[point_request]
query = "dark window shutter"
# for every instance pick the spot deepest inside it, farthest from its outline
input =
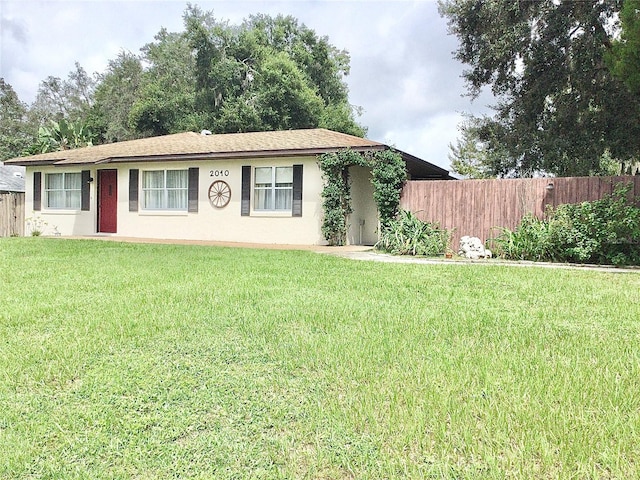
(193, 189)
(85, 198)
(245, 204)
(37, 190)
(133, 189)
(296, 210)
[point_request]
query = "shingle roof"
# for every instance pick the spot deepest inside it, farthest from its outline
(194, 146)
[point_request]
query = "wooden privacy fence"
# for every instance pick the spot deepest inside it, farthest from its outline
(11, 214)
(474, 207)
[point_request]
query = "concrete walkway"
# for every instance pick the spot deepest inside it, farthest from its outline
(373, 255)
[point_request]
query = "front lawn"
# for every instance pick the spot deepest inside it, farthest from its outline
(163, 361)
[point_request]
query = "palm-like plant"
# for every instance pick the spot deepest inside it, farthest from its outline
(61, 135)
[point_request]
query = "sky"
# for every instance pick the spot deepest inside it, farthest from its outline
(403, 74)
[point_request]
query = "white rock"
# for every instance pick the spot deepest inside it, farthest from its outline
(472, 248)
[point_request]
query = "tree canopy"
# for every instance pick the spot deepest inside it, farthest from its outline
(14, 137)
(624, 56)
(560, 109)
(268, 73)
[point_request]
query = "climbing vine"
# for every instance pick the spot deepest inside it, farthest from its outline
(389, 174)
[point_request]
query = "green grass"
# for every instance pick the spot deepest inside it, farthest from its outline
(162, 361)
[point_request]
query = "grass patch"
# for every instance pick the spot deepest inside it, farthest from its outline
(164, 361)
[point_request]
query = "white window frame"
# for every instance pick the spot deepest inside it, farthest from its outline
(165, 191)
(268, 191)
(71, 197)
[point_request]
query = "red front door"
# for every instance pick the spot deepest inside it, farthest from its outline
(107, 201)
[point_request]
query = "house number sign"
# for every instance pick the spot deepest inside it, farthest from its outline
(218, 173)
(219, 194)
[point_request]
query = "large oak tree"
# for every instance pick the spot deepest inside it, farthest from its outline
(559, 110)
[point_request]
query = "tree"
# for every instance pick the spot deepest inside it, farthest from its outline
(624, 57)
(69, 99)
(166, 100)
(268, 73)
(322, 63)
(284, 98)
(475, 155)
(559, 107)
(14, 131)
(117, 90)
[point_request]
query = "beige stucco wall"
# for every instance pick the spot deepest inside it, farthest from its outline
(226, 224)
(217, 224)
(209, 223)
(58, 222)
(363, 221)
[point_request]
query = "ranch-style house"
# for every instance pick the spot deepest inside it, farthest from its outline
(259, 187)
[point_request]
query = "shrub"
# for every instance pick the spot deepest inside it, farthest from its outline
(605, 231)
(408, 235)
(529, 241)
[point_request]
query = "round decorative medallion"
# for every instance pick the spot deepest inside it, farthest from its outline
(219, 194)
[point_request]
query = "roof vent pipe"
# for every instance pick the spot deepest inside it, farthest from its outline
(205, 132)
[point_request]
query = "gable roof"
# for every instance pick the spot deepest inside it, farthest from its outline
(194, 146)
(11, 178)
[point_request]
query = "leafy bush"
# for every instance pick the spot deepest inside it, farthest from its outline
(605, 231)
(408, 235)
(529, 241)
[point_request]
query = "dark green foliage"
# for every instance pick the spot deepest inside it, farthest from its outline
(605, 231)
(270, 73)
(14, 131)
(285, 98)
(165, 99)
(559, 108)
(624, 58)
(336, 194)
(388, 176)
(408, 235)
(529, 241)
(118, 89)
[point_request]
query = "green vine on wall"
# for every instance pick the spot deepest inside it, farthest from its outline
(388, 172)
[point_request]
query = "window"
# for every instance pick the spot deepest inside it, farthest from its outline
(273, 188)
(63, 190)
(165, 189)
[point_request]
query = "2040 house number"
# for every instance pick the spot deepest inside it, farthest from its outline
(218, 173)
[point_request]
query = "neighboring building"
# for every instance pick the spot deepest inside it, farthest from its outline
(262, 187)
(11, 179)
(11, 200)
